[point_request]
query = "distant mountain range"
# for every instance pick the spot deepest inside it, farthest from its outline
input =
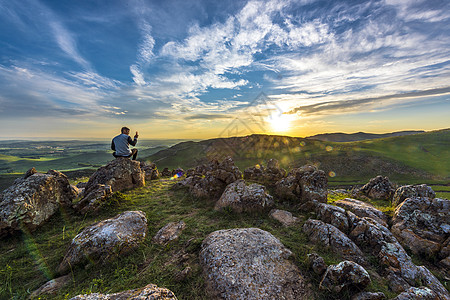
(359, 136)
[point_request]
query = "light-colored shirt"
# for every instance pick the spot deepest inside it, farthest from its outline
(120, 144)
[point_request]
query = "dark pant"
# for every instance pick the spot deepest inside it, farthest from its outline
(134, 153)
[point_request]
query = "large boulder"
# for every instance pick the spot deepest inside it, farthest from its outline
(268, 176)
(303, 184)
(33, 199)
(249, 264)
(210, 180)
(106, 239)
(241, 197)
(363, 209)
(330, 237)
(412, 191)
(118, 175)
(423, 225)
(345, 275)
(378, 188)
(149, 292)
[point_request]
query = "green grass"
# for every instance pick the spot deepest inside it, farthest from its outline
(31, 259)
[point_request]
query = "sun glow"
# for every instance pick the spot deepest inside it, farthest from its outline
(280, 122)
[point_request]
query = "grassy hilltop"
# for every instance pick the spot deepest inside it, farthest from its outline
(411, 157)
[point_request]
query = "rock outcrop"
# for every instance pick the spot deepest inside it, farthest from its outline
(412, 191)
(368, 296)
(210, 180)
(169, 233)
(118, 175)
(166, 172)
(378, 188)
(420, 293)
(303, 184)
(332, 238)
(149, 292)
(32, 200)
(151, 171)
(245, 198)
(249, 264)
(345, 275)
(106, 239)
(423, 225)
(363, 209)
(268, 176)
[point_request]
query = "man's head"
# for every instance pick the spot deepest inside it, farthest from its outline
(125, 130)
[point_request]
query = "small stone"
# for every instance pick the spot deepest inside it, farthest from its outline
(169, 233)
(284, 217)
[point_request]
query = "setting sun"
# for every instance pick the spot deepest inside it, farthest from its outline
(280, 122)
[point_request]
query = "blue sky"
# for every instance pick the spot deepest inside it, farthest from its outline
(188, 69)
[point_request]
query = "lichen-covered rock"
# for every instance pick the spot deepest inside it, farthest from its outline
(334, 215)
(149, 292)
(423, 225)
(345, 275)
(151, 171)
(169, 233)
(363, 209)
(249, 264)
(316, 263)
(420, 293)
(210, 180)
(52, 287)
(120, 174)
(401, 272)
(303, 184)
(378, 188)
(332, 238)
(284, 217)
(268, 176)
(368, 296)
(93, 200)
(412, 191)
(32, 200)
(240, 197)
(106, 239)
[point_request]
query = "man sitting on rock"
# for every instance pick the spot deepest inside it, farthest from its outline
(120, 144)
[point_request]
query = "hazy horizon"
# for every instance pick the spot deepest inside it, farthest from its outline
(200, 69)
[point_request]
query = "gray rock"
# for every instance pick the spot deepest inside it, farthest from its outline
(52, 287)
(419, 293)
(303, 184)
(106, 239)
(120, 174)
(334, 215)
(149, 292)
(169, 233)
(240, 197)
(31, 201)
(316, 263)
(412, 191)
(151, 171)
(368, 296)
(422, 225)
(346, 274)
(363, 209)
(210, 180)
(378, 188)
(268, 176)
(332, 238)
(284, 217)
(249, 264)
(93, 200)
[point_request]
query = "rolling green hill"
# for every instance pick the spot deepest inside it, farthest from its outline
(423, 155)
